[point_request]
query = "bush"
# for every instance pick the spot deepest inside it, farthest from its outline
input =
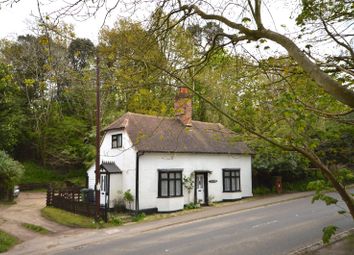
(261, 190)
(37, 174)
(115, 220)
(10, 173)
(191, 206)
(128, 198)
(295, 186)
(139, 217)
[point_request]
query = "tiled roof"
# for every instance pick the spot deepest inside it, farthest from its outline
(163, 134)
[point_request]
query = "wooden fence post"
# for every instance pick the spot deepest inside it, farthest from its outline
(49, 196)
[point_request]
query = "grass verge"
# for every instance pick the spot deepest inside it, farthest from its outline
(7, 241)
(68, 218)
(36, 228)
(35, 173)
(78, 221)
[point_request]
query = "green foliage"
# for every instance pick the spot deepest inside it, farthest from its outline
(80, 52)
(10, 174)
(321, 187)
(261, 190)
(128, 198)
(276, 161)
(64, 145)
(328, 232)
(296, 186)
(336, 147)
(345, 176)
(7, 241)
(68, 218)
(130, 56)
(34, 173)
(145, 102)
(188, 182)
(139, 217)
(36, 228)
(191, 206)
(11, 116)
(115, 220)
(312, 10)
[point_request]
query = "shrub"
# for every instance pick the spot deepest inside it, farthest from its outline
(261, 190)
(10, 174)
(115, 220)
(128, 197)
(191, 206)
(139, 217)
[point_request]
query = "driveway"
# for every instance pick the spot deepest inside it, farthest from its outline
(26, 210)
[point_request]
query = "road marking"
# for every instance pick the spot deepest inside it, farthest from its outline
(265, 224)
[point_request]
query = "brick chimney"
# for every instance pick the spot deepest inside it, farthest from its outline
(183, 106)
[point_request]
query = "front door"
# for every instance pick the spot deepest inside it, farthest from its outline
(104, 189)
(200, 189)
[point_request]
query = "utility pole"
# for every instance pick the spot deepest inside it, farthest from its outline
(98, 176)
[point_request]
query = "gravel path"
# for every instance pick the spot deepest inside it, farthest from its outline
(26, 210)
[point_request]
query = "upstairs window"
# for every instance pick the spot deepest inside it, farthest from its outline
(231, 180)
(117, 141)
(170, 183)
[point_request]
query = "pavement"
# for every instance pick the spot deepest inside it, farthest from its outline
(343, 246)
(77, 238)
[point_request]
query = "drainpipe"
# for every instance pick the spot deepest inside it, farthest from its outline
(138, 154)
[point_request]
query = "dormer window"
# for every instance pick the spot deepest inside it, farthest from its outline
(117, 141)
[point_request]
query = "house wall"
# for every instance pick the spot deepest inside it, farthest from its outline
(151, 162)
(115, 189)
(124, 158)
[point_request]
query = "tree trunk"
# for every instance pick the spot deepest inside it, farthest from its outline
(331, 86)
(347, 198)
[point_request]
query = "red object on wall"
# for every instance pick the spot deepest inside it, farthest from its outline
(278, 184)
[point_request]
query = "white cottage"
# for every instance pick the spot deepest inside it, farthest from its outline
(151, 155)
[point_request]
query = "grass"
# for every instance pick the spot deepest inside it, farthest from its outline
(7, 241)
(36, 228)
(68, 218)
(35, 173)
(78, 221)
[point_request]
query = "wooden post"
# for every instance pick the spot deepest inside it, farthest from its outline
(97, 186)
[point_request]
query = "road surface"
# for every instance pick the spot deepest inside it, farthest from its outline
(275, 229)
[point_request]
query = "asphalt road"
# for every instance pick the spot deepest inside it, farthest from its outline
(275, 229)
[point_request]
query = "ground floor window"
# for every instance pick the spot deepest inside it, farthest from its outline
(170, 183)
(231, 180)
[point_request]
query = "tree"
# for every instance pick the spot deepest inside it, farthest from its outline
(248, 26)
(11, 115)
(131, 80)
(289, 108)
(80, 52)
(10, 174)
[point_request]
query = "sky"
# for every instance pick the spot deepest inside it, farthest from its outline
(17, 20)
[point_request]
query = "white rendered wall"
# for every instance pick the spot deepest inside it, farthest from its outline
(91, 177)
(151, 162)
(124, 158)
(115, 189)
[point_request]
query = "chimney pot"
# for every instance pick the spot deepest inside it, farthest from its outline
(183, 106)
